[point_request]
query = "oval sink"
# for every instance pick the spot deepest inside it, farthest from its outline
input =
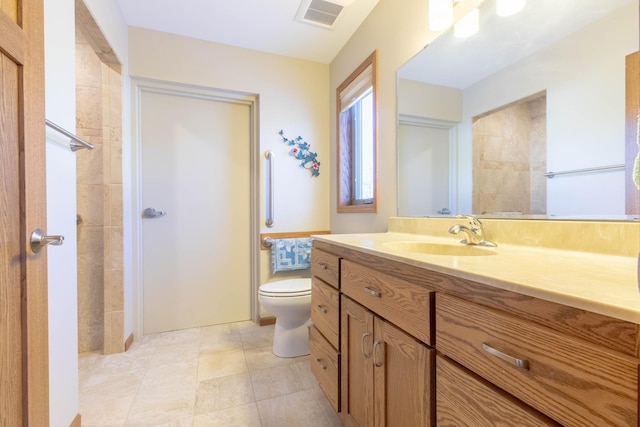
(447, 249)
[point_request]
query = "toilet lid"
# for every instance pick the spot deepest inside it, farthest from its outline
(287, 288)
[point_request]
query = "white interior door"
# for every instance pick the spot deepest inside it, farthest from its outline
(195, 168)
(424, 155)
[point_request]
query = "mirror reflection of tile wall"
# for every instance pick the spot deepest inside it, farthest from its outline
(509, 158)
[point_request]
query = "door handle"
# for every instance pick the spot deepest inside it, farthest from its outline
(152, 213)
(39, 240)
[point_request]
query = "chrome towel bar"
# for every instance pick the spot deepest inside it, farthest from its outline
(76, 142)
(585, 170)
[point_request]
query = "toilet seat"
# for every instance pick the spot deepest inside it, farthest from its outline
(286, 288)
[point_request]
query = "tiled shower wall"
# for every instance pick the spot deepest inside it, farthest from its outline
(99, 196)
(509, 159)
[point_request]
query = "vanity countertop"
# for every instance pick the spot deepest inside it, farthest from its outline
(604, 284)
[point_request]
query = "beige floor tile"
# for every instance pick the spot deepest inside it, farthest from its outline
(238, 416)
(220, 337)
(216, 364)
(171, 382)
(160, 412)
(111, 412)
(209, 376)
(223, 393)
(277, 381)
(292, 410)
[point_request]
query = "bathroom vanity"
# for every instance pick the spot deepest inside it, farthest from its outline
(412, 328)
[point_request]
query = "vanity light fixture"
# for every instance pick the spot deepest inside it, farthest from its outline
(509, 7)
(440, 14)
(468, 25)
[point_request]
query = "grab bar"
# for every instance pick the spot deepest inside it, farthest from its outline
(585, 170)
(76, 142)
(270, 156)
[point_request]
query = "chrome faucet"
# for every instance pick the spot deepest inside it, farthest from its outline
(474, 231)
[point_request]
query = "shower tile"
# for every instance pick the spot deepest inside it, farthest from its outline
(89, 166)
(223, 393)
(116, 247)
(115, 205)
(116, 164)
(114, 287)
(238, 416)
(89, 115)
(106, 201)
(106, 248)
(106, 162)
(90, 203)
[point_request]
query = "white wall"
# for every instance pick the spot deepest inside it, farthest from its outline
(584, 77)
(292, 97)
(60, 90)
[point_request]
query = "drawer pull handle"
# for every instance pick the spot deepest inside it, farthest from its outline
(323, 309)
(322, 365)
(323, 266)
(520, 363)
(373, 293)
(364, 337)
(375, 359)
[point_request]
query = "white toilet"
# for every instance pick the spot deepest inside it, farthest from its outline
(290, 302)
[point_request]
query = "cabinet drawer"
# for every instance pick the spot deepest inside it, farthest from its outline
(325, 310)
(326, 266)
(405, 304)
(572, 381)
(325, 366)
(463, 399)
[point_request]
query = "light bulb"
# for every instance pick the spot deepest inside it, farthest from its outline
(468, 25)
(509, 7)
(440, 14)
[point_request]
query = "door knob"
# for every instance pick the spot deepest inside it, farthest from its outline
(39, 240)
(152, 213)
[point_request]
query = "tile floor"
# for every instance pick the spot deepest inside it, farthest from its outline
(221, 375)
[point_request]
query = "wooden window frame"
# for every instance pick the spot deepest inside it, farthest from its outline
(344, 147)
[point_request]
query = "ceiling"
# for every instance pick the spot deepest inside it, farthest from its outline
(263, 25)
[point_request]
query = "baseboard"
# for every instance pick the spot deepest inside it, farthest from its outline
(128, 342)
(264, 321)
(76, 422)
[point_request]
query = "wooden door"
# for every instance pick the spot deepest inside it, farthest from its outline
(632, 90)
(24, 376)
(404, 378)
(357, 368)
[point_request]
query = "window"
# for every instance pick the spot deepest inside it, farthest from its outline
(357, 139)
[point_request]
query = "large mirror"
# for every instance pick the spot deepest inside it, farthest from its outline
(524, 118)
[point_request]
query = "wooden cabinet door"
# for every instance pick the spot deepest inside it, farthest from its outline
(357, 369)
(404, 380)
(24, 376)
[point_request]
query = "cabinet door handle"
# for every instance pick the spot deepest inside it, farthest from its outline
(364, 337)
(323, 309)
(373, 293)
(323, 266)
(520, 363)
(375, 359)
(322, 365)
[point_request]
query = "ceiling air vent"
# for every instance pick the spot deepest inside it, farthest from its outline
(319, 12)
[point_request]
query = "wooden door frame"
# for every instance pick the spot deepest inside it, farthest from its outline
(25, 45)
(141, 85)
